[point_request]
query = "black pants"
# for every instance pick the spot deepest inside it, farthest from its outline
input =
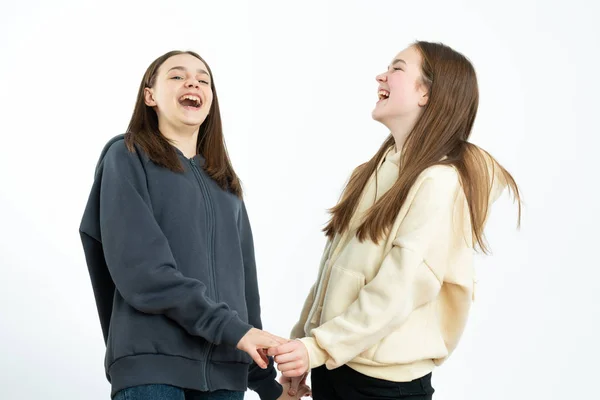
(344, 383)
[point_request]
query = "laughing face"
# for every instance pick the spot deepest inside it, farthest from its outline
(401, 91)
(181, 94)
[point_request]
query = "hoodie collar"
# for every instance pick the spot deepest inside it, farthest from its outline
(198, 157)
(393, 156)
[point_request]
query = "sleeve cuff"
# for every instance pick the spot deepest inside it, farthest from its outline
(234, 331)
(270, 390)
(316, 355)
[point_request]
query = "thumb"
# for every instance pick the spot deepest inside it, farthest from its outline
(263, 355)
(257, 358)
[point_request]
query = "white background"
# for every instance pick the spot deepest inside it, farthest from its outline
(296, 86)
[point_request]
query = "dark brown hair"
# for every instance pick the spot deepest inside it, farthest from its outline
(143, 131)
(443, 129)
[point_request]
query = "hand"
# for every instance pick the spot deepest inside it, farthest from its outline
(296, 385)
(302, 391)
(291, 358)
(253, 343)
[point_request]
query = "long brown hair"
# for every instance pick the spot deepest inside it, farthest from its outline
(443, 129)
(143, 131)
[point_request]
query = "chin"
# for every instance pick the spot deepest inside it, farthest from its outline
(194, 121)
(377, 116)
(381, 119)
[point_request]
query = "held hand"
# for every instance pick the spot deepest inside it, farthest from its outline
(296, 385)
(301, 392)
(291, 358)
(253, 343)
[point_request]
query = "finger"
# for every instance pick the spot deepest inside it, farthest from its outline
(294, 372)
(284, 348)
(284, 380)
(288, 357)
(303, 390)
(263, 355)
(280, 339)
(257, 359)
(290, 366)
(276, 338)
(295, 382)
(303, 381)
(267, 342)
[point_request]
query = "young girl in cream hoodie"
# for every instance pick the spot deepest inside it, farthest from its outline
(396, 280)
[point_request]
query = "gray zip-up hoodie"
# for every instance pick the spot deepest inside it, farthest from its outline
(171, 260)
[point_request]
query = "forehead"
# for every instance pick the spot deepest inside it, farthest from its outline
(186, 61)
(410, 55)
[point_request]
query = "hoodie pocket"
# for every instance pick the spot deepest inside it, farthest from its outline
(342, 290)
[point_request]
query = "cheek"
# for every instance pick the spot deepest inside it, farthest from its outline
(164, 97)
(398, 99)
(397, 88)
(403, 93)
(209, 97)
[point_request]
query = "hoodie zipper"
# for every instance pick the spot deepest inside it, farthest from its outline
(211, 230)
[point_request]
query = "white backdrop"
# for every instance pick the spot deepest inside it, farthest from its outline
(296, 82)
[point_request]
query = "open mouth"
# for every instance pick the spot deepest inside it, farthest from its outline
(190, 102)
(383, 94)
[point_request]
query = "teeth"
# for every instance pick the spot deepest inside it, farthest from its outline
(383, 94)
(192, 98)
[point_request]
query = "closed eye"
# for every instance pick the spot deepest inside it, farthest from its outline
(201, 80)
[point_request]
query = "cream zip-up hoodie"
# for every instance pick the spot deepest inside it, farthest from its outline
(396, 309)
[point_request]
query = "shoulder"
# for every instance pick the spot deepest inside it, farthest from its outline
(439, 180)
(437, 188)
(117, 156)
(115, 148)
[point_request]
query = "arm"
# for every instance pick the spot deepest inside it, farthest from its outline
(140, 261)
(298, 329)
(410, 276)
(262, 381)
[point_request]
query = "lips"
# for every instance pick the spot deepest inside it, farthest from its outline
(383, 94)
(190, 101)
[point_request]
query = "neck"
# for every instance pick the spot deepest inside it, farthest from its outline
(400, 129)
(185, 138)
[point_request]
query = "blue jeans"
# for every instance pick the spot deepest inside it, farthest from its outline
(166, 392)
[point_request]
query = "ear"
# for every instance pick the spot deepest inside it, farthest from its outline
(424, 99)
(423, 90)
(149, 97)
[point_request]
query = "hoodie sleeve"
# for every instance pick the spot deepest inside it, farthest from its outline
(140, 260)
(262, 381)
(298, 329)
(428, 240)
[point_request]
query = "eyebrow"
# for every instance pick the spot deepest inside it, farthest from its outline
(199, 70)
(398, 60)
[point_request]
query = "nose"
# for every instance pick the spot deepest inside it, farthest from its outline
(192, 83)
(381, 77)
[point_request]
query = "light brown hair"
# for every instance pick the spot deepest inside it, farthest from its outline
(443, 129)
(143, 131)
